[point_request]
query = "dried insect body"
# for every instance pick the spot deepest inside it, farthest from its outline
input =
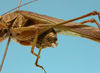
(71, 28)
(32, 29)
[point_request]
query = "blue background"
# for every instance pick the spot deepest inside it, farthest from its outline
(73, 54)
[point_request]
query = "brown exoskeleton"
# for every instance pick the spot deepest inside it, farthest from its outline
(32, 29)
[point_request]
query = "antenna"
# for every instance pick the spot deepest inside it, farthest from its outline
(20, 6)
(5, 53)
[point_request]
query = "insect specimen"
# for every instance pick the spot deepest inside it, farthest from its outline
(32, 29)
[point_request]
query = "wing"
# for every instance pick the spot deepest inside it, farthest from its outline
(84, 31)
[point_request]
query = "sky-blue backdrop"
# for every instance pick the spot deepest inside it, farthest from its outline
(73, 54)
